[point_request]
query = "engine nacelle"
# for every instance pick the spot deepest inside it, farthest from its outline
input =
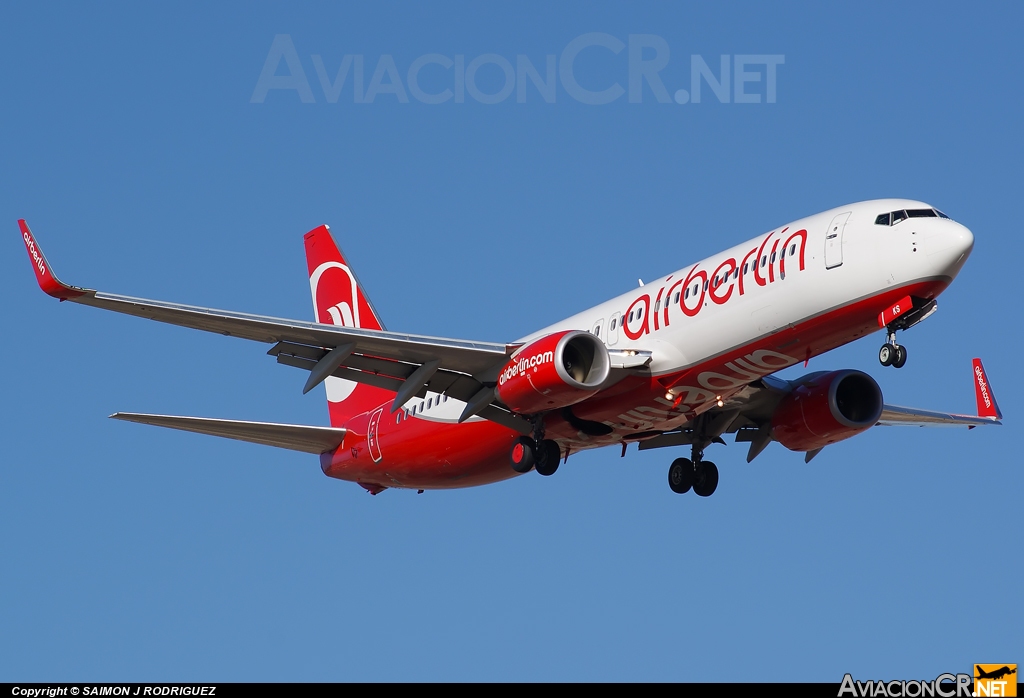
(554, 371)
(827, 408)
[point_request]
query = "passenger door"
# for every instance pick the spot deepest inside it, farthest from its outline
(834, 240)
(371, 435)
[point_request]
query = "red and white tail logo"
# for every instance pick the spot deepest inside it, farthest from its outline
(338, 300)
(987, 406)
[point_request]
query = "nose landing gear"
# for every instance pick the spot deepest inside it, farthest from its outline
(891, 353)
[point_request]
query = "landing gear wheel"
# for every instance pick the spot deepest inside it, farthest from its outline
(705, 480)
(901, 357)
(548, 456)
(887, 354)
(523, 454)
(680, 475)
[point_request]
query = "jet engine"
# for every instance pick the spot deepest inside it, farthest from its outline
(554, 371)
(826, 408)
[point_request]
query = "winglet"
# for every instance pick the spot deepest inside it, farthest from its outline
(47, 280)
(987, 406)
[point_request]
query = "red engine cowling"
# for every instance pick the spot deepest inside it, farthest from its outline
(552, 372)
(826, 408)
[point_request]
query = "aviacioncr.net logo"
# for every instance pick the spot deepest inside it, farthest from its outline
(943, 686)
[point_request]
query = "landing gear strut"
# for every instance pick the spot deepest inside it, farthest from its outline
(891, 353)
(694, 472)
(538, 452)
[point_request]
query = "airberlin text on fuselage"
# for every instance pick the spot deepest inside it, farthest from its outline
(714, 383)
(36, 257)
(734, 374)
(730, 277)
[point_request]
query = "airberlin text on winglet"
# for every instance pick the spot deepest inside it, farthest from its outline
(31, 244)
(47, 282)
(987, 406)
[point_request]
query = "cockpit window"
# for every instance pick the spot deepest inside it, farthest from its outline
(896, 216)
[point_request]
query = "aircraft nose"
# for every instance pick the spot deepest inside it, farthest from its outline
(949, 246)
(963, 239)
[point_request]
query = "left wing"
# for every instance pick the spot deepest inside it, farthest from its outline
(748, 414)
(988, 409)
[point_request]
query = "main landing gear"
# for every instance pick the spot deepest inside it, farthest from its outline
(684, 475)
(891, 353)
(694, 472)
(538, 452)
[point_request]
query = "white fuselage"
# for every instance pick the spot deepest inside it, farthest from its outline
(866, 258)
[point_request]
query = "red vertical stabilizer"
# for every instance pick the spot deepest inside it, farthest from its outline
(338, 299)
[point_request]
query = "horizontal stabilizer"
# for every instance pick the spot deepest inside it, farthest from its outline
(295, 437)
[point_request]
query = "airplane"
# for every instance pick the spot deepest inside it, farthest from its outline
(996, 674)
(679, 361)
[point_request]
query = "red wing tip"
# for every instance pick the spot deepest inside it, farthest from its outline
(987, 406)
(48, 282)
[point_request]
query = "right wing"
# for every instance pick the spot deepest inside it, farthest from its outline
(406, 364)
(463, 369)
(455, 354)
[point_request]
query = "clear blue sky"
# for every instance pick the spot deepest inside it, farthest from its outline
(130, 142)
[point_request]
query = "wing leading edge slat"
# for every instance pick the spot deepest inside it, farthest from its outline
(455, 354)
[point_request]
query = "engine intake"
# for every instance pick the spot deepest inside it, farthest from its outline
(826, 408)
(554, 371)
